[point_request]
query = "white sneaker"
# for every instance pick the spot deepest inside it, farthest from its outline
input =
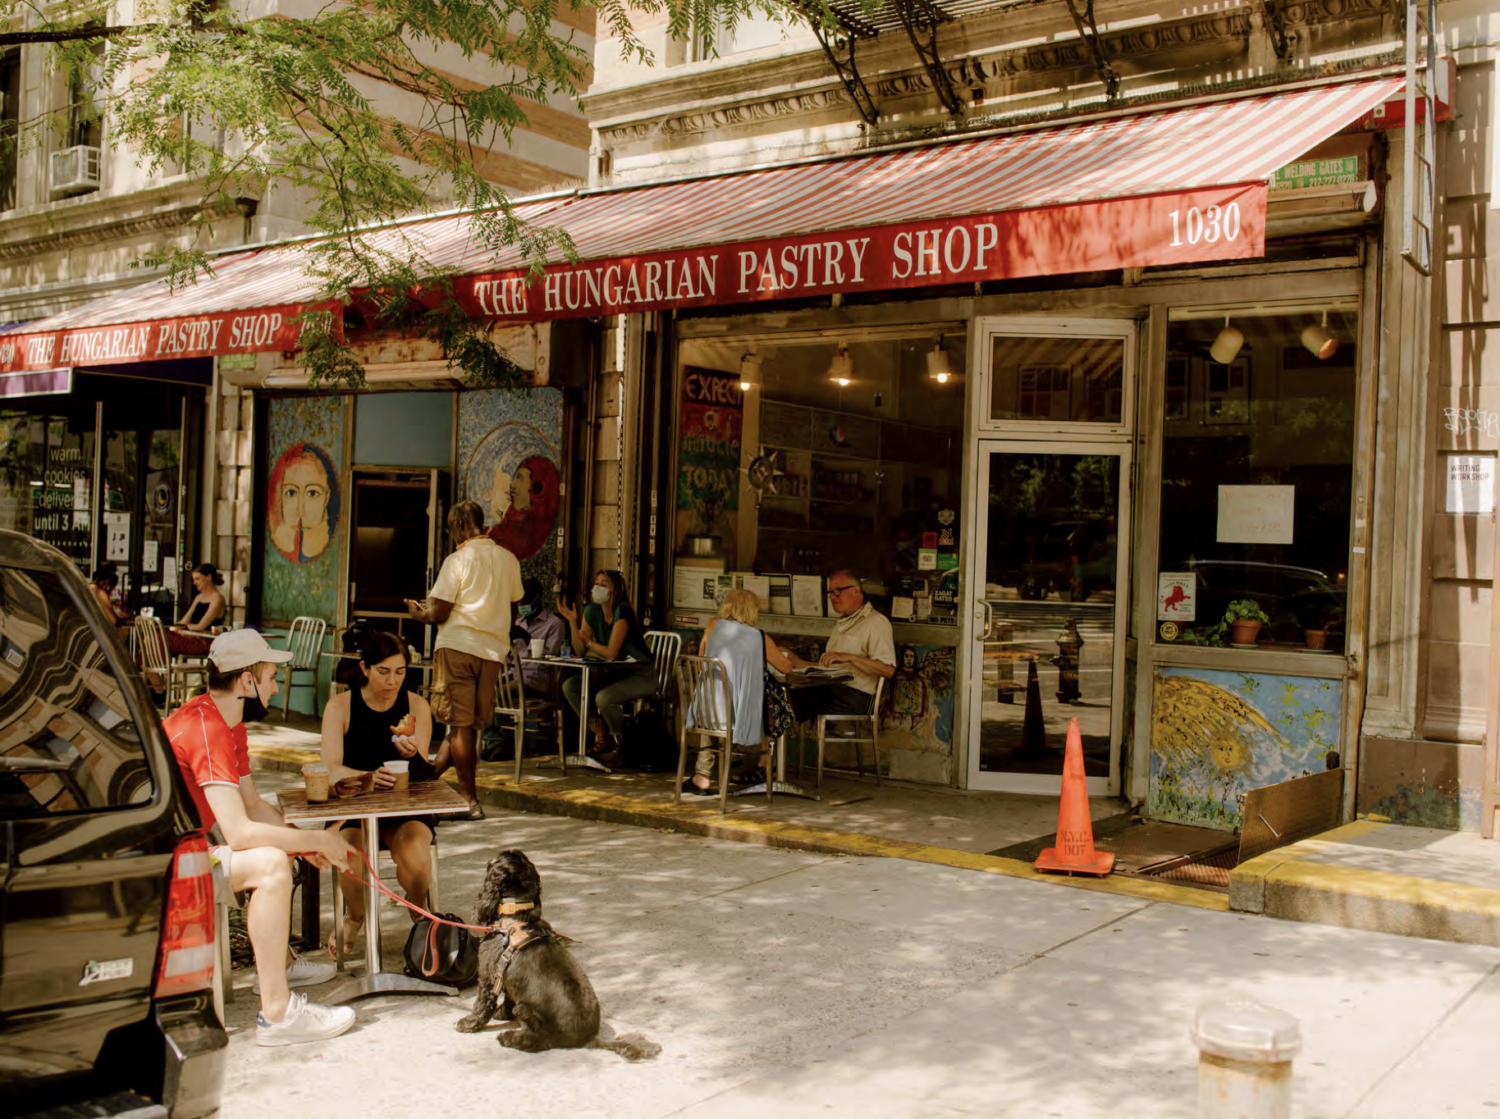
(303, 973)
(304, 1021)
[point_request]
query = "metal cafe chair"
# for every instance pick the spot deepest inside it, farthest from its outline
(305, 642)
(510, 706)
(873, 738)
(149, 645)
(665, 649)
(707, 710)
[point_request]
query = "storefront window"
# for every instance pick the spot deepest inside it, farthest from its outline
(1066, 379)
(1256, 480)
(46, 463)
(854, 455)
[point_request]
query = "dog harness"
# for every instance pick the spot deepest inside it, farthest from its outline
(516, 937)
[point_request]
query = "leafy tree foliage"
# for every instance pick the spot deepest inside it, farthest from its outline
(249, 96)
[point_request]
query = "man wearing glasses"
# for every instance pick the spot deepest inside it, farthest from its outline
(862, 644)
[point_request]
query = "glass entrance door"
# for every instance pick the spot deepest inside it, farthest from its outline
(1050, 591)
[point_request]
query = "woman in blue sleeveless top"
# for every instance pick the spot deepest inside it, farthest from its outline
(745, 651)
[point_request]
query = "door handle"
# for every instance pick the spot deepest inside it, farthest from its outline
(986, 620)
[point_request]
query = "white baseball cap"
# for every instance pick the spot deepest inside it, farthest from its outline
(243, 648)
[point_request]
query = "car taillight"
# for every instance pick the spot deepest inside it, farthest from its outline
(185, 961)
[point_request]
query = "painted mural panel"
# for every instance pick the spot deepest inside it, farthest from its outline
(1216, 735)
(510, 461)
(303, 503)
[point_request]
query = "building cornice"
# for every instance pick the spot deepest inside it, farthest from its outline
(95, 218)
(701, 100)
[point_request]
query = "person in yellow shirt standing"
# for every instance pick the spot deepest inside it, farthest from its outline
(471, 604)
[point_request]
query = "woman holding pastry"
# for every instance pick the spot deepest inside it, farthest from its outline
(363, 729)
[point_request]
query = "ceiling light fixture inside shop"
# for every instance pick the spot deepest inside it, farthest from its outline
(841, 368)
(749, 369)
(1227, 344)
(1320, 341)
(939, 367)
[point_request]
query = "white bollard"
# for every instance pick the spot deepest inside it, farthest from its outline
(1245, 1053)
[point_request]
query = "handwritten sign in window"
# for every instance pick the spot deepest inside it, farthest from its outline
(1256, 514)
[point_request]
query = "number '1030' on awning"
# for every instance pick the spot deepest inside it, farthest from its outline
(1173, 185)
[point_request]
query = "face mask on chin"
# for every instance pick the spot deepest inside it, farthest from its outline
(255, 708)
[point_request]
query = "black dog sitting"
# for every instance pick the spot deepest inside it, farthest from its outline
(527, 974)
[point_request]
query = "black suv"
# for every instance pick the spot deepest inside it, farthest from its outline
(106, 912)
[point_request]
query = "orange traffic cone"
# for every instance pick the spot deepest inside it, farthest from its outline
(1074, 853)
(1033, 727)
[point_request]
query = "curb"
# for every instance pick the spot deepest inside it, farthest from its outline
(614, 808)
(1291, 883)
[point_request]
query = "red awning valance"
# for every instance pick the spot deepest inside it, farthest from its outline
(1168, 186)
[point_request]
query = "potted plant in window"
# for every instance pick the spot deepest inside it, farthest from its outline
(1316, 635)
(1243, 620)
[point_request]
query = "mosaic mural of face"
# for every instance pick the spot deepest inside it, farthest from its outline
(303, 492)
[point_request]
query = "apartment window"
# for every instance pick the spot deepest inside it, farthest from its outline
(10, 115)
(751, 31)
(84, 125)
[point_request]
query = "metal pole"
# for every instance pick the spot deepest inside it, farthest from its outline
(1245, 1053)
(95, 497)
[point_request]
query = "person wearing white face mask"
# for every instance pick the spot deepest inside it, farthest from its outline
(609, 630)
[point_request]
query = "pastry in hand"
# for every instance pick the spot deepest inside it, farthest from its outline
(406, 727)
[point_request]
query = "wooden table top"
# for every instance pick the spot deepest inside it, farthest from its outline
(423, 798)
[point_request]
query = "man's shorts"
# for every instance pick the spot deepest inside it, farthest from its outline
(463, 688)
(221, 856)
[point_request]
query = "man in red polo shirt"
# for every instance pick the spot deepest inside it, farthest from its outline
(208, 736)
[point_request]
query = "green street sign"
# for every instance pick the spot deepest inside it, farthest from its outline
(1320, 172)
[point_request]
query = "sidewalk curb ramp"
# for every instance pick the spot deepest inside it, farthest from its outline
(1307, 882)
(559, 798)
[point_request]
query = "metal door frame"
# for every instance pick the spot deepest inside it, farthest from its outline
(978, 616)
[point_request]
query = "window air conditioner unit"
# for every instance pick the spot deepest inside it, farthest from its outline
(75, 170)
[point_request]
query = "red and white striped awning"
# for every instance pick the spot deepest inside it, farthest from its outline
(1168, 186)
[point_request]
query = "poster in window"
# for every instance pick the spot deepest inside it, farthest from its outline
(708, 456)
(1226, 396)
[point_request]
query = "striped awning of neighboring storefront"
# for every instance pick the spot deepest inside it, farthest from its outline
(1163, 186)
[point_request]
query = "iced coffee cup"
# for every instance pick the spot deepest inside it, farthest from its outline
(538, 647)
(401, 771)
(315, 777)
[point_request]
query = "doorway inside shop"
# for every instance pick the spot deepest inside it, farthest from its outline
(396, 546)
(1050, 581)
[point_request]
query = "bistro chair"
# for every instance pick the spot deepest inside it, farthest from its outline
(665, 649)
(510, 707)
(305, 642)
(148, 641)
(873, 738)
(707, 710)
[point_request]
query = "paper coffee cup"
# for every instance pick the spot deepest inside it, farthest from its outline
(401, 772)
(538, 648)
(315, 777)
(398, 767)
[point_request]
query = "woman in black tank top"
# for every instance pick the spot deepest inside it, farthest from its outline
(363, 728)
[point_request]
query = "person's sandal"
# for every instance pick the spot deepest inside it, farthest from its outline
(475, 812)
(353, 941)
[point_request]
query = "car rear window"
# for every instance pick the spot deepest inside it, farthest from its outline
(68, 742)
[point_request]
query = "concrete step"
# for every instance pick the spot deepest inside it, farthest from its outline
(1380, 877)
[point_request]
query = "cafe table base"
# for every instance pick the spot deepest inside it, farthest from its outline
(779, 784)
(581, 758)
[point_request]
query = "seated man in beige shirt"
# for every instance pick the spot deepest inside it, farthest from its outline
(862, 642)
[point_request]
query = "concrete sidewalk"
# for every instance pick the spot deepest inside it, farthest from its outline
(1367, 875)
(797, 984)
